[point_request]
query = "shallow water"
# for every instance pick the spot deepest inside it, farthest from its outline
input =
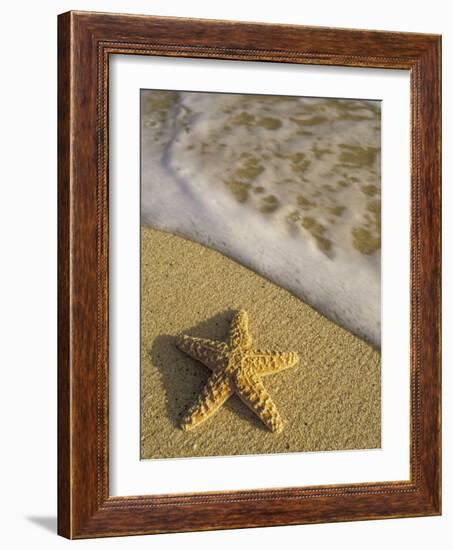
(287, 186)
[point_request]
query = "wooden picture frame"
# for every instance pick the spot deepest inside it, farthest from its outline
(85, 42)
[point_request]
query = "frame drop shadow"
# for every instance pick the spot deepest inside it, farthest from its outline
(48, 523)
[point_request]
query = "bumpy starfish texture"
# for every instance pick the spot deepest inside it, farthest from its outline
(236, 368)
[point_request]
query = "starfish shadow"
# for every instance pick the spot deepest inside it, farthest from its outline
(183, 377)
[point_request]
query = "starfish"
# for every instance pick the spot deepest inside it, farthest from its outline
(236, 368)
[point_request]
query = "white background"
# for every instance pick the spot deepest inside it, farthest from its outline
(28, 270)
(129, 476)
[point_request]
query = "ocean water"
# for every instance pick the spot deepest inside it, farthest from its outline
(288, 186)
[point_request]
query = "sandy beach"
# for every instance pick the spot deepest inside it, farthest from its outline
(330, 401)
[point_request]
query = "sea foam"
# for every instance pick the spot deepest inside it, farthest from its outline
(289, 187)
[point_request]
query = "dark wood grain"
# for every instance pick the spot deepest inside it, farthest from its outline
(85, 42)
(64, 368)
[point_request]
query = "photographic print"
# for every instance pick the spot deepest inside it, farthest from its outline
(260, 274)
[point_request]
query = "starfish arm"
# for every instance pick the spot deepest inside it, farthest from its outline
(239, 331)
(253, 393)
(264, 362)
(216, 391)
(209, 352)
